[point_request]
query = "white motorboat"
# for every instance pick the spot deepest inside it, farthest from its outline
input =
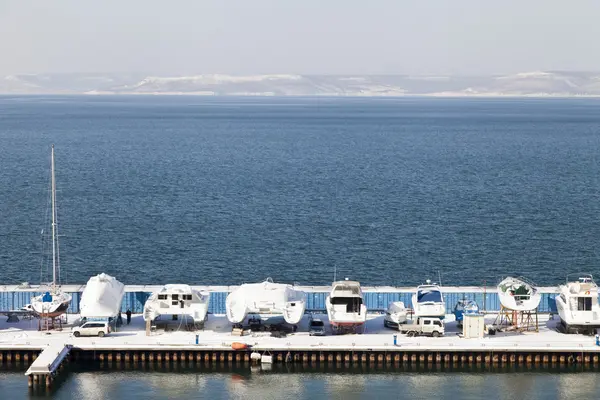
(395, 315)
(518, 294)
(428, 301)
(180, 300)
(54, 302)
(577, 304)
(266, 299)
(102, 297)
(345, 307)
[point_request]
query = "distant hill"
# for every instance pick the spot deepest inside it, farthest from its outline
(541, 83)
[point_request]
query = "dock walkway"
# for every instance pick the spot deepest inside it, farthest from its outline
(46, 365)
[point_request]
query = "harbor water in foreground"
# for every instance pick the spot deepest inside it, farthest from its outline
(205, 190)
(567, 383)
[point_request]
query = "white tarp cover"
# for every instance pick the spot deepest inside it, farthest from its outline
(101, 297)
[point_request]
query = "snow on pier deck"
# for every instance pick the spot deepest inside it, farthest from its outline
(217, 336)
(50, 359)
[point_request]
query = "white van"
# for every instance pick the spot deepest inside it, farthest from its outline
(92, 328)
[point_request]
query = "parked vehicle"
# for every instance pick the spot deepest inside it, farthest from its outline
(423, 326)
(316, 327)
(92, 328)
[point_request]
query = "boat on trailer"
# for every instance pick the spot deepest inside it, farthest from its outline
(345, 307)
(267, 300)
(577, 304)
(53, 302)
(177, 300)
(428, 301)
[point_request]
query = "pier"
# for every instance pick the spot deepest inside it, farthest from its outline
(132, 346)
(45, 367)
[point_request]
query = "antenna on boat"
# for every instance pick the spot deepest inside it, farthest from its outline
(440, 277)
(334, 272)
(54, 230)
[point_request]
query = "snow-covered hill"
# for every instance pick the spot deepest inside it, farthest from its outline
(539, 83)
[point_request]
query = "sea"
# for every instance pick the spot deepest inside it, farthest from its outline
(226, 190)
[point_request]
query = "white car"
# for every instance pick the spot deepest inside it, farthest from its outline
(92, 328)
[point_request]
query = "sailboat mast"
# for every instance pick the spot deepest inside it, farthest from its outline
(53, 220)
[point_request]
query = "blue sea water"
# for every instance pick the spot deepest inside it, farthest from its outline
(224, 190)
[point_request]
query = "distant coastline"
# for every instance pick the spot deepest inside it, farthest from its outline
(539, 84)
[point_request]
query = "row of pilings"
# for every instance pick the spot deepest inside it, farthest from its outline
(201, 358)
(366, 357)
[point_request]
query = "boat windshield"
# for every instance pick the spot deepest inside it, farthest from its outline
(425, 296)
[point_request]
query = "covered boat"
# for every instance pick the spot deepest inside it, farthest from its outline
(577, 304)
(177, 300)
(395, 315)
(266, 299)
(428, 301)
(102, 297)
(464, 307)
(345, 307)
(518, 294)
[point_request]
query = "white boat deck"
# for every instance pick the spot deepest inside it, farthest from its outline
(217, 335)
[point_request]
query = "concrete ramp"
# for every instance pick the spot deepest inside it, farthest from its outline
(49, 360)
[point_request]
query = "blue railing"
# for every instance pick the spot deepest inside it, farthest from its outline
(375, 301)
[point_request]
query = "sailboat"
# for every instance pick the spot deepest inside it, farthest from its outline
(53, 302)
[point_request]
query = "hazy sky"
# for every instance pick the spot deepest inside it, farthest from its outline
(299, 36)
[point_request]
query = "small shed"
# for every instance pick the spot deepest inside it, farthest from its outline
(473, 326)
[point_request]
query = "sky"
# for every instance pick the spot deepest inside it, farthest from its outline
(458, 37)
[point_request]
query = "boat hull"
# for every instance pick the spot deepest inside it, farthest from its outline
(429, 302)
(51, 313)
(342, 321)
(102, 297)
(266, 299)
(177, 299)
(510, 298)
(578, 319)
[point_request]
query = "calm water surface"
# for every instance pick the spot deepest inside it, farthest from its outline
(225, 190)
(316, 384)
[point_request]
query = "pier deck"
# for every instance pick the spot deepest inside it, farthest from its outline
(217, 336)
(49, 359)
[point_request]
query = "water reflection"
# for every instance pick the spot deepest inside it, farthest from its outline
(96, 385)
(304, 382)
(263, 384)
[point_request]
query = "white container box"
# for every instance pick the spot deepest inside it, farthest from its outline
(473, 326)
